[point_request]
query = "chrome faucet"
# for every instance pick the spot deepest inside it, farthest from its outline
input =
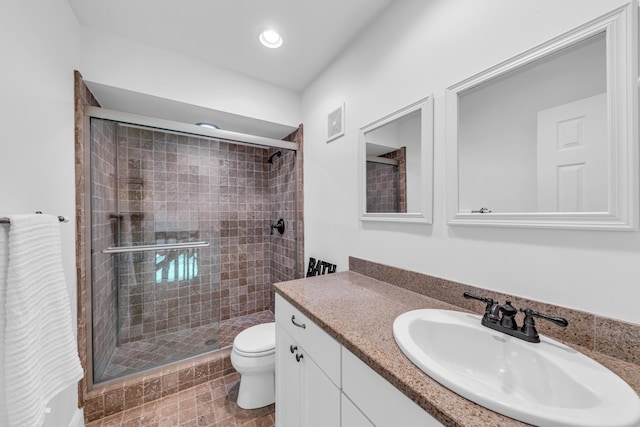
(502, 318)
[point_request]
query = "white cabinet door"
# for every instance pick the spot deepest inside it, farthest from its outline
(373, 395)
(287, 381)
(351, 416)
(324, 350)
(319, 397)
(305, 396)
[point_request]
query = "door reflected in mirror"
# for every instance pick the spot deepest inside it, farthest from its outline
(397, 165)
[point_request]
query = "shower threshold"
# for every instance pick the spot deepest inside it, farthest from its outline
(136, 356)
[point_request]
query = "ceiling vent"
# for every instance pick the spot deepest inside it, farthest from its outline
(335, 123)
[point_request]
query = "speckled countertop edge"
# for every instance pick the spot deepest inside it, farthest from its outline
(359, 311)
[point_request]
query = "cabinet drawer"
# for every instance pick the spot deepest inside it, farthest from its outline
(382, 403)
(317, 344)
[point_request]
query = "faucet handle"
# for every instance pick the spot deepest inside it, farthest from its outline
(529, 325)
(491, 311)
(487, 301)
(560, 321)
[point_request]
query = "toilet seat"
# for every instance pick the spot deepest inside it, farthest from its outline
(260, 354)
(256, 341)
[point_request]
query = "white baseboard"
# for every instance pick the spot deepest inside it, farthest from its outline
(78, 419)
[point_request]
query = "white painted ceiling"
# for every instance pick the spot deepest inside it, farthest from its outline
(225, 32)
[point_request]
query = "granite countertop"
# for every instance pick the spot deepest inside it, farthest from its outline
(358, 311)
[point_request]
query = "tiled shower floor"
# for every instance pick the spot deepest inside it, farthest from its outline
(135, 356)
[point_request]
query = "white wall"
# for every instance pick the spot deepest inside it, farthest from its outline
(115, 61)
(415, 49)
(39, 45)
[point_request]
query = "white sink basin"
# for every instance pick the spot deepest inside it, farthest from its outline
(546, 384)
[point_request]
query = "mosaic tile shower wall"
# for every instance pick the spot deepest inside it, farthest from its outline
(83, 98)
(172, 188)
(387, 184)
(244, 230)
(382, 188)
(168, 193)
(104, 203)
(282, 186)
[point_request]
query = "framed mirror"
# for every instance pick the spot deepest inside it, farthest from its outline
(396, 166)
(549, 138)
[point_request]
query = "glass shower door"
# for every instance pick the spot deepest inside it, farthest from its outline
(155, 247)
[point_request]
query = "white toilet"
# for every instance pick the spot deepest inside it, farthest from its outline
(254, 357)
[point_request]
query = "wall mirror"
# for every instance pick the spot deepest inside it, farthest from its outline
(396, 166)
(549, 137)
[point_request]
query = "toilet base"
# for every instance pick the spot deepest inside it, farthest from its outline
(256, 391)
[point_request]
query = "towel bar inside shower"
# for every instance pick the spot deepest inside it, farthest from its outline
(158, 247)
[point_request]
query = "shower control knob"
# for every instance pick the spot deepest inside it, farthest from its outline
(293, 348)
(278, 226)
(299, 357)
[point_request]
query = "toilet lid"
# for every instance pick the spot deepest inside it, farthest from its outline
(256, 339)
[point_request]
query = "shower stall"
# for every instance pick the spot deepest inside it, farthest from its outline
(180, 228)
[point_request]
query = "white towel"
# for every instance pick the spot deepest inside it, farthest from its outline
(40, 350)
(4, 262)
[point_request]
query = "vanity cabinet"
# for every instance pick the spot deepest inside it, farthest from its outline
(307, 371)
(319, 383)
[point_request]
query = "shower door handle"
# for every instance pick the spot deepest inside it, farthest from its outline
(157, 247)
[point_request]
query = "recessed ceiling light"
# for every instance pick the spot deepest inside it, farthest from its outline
(208, 125)
(270, 38)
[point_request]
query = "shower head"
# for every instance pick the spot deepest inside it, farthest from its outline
(276, 154)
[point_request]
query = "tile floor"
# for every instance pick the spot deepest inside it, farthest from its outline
(135, 356)
(210, 404)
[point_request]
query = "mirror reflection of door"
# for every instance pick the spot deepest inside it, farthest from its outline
(572, 153)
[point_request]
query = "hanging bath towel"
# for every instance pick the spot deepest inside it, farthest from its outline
(4, 262)
(40, 350)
